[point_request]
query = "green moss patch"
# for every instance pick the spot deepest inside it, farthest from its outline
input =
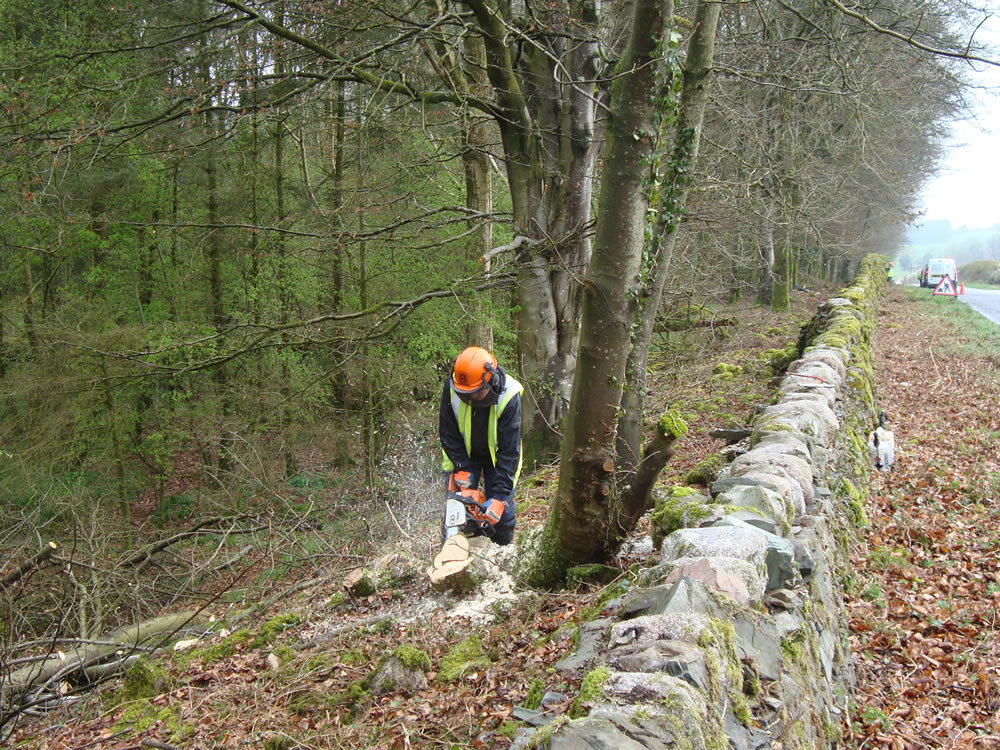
(144, 679)
(269, 630)
(463, 658)
(591, 688)
(412, 657)
(682, 508)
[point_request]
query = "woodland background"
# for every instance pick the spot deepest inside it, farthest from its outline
(240, 244)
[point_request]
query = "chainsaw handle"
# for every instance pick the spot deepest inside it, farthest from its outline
(489, 511)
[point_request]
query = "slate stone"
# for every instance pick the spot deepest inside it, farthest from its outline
(724, 484)
(648, 628)
(758, 497)
(523, 738)
(690, 596)
(648, 729)
(631, 688)
(532, 716)
(779, 479)
(745, 543)
(804, 560)
(644, 601)
(766, 458)
(779, 558)
(830, 357)
(752, 575)
(787, 624)
(783, 599)
(713, 576)
(552, 698)
(676, 658)
(810, 418)
(827, 642)
(760, 644)
(755, 519)
(592, 641)
(592, 734)
(792, 443)
(792, 391)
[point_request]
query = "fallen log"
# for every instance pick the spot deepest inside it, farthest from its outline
(78, 658)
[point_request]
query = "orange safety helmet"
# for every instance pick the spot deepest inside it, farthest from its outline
(473, 369)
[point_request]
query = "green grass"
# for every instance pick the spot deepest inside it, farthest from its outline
(975, 333)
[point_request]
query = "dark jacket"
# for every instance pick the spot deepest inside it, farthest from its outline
(508, 440)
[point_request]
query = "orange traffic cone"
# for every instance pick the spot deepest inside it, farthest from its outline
(961, 287)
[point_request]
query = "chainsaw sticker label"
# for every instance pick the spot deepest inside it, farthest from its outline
(946, 286)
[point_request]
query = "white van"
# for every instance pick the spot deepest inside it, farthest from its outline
(936, 269)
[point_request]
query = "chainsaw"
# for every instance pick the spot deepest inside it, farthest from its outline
(469, 506)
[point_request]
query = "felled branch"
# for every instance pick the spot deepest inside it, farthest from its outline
(43, 554)
(139, 556)
(79, 658)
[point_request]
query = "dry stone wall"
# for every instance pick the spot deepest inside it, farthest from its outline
(736, 637)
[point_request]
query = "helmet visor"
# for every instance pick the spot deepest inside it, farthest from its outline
(477, 396)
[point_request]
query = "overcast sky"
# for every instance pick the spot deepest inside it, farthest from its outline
(967, 192)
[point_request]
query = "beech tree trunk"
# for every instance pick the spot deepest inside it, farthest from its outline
(673, 191)
(589, 519)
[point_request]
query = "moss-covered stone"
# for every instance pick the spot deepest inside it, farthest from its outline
(284, 653)
(279, 742)
(855, 502)
(593, 573)
(339, 599)
(540, 739)
(726, 371)
(141, 715)
(778, 360)
(533, 699)
(591, 688)
(353, 658)
(461, 659)
(412, 657)
(705, 471)
(143, 679)
(681, 508)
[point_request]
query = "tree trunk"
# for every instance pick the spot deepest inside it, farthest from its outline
(780, 301)
(478, 189)
(669, 209)
(581, 523)
(546, 128)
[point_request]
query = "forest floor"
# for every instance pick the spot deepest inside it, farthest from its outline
(922, 606)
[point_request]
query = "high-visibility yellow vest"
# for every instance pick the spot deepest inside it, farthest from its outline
(463, 413)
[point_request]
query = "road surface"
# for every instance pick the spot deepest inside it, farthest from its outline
(985, 301)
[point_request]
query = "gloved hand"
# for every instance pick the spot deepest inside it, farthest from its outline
(486, 513)
(461, 479)
(493, 510)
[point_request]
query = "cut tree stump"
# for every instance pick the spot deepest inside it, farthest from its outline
(359, 584)
(453, 566)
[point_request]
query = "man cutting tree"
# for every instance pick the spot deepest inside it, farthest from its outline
(480, 429)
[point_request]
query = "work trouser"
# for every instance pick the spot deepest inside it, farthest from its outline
(503, 531)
